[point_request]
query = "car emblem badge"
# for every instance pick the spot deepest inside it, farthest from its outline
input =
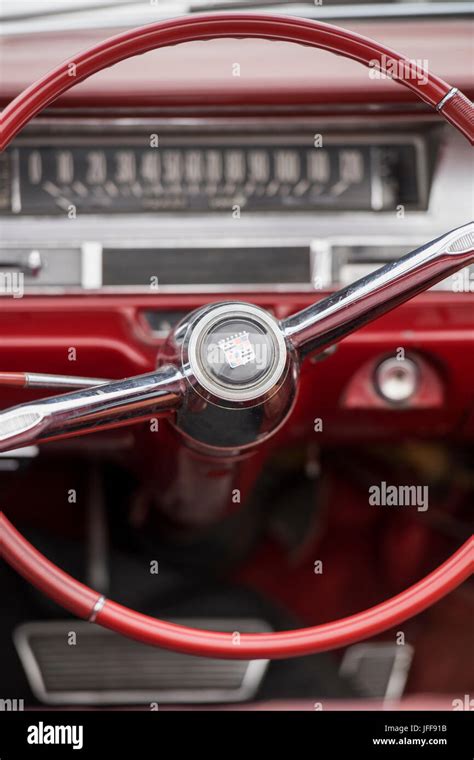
(238, 350)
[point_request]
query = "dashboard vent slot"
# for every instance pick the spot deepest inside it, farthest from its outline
(207, 266)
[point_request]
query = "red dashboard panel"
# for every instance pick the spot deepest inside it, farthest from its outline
(112, 339)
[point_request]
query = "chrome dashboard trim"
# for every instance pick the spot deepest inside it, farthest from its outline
(91, 265)
(320, 251)
(16, 195)
(183, 111)
(91, 119)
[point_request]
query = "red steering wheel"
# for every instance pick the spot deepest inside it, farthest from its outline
(83, 601)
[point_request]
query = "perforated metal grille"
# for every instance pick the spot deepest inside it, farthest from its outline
(103, 667)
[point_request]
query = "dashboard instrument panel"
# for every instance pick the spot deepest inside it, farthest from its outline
(151, 173)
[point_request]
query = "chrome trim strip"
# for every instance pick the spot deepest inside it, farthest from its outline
(376, 107)
(321, 264)
(453, 91)
(56, 290)
(27, 452)
(15, 183)
(40, 380)
(376, 184)
(250, 133)
(91, 266)
(92, 120)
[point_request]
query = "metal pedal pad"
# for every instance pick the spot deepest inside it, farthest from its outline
(74, 663)
(378, 670)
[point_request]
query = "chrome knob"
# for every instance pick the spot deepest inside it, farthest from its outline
(397, 380)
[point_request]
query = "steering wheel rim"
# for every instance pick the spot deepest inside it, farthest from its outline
(75, 596)
(448, 100)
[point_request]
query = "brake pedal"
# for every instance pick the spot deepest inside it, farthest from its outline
(102, 667)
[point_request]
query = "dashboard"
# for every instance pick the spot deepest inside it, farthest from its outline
(205, 204)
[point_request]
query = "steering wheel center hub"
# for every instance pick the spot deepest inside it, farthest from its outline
(236, 353)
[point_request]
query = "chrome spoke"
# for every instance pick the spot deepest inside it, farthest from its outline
(331, 319)
(110, 405)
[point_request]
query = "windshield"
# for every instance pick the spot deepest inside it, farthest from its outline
(34, 16)
(14, 9)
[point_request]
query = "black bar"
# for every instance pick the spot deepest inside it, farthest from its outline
(314, 732)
